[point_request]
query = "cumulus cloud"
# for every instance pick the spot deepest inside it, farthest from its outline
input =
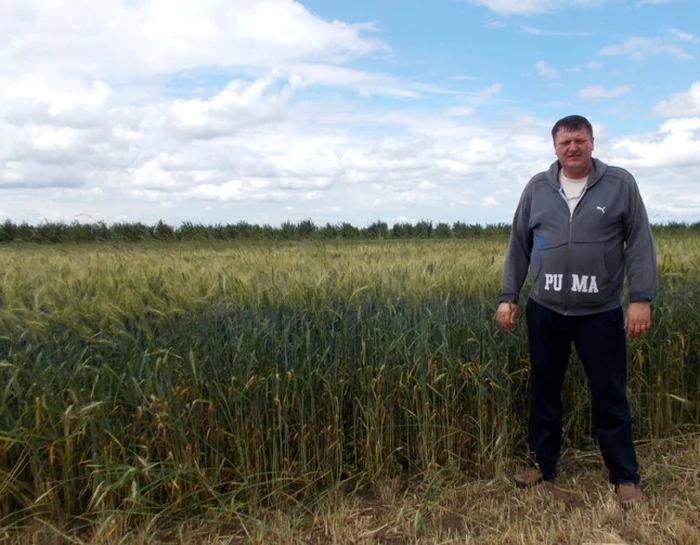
(158, 36)
(641, 48)
(217, 111)
(597, 91)
(684, 36)
(458, 111)
(685, 125)
(665, 164)
(546, 71)
(239, 105)
(80, 88)
(490, 91)
(525, 7)
(541, 32)
(675, 144)
(681, 104)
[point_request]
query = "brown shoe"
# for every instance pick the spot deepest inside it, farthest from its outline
(628, 494)
(530, 477)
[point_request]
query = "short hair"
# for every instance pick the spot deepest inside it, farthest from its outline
(572, 123)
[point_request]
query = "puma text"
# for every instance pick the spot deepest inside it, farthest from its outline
(579, 283)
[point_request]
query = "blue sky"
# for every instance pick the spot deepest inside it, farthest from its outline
(219, 111)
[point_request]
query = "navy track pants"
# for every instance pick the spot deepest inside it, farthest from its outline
(600, 342)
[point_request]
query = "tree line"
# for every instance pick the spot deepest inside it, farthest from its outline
(59, 232)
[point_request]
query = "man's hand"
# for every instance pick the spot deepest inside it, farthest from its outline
(505, 316)
(638, 319)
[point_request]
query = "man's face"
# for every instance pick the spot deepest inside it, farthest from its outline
(574, 149)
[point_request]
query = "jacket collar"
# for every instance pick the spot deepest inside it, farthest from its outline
(598, 168)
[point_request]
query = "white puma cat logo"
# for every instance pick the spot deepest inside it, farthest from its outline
(601, 208)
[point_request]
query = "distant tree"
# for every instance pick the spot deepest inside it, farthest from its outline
(442, 230)
(131, 232)
(459, 229)
(305, 228)
(163, 231)
(402, 230)
(423, 229)
(329, 231)
(8, 231)
(378, 229)
(348, 230)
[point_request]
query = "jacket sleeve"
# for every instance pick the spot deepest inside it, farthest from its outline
(518, 253)
(640, 255)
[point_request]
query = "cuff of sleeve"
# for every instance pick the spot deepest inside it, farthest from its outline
(508, 298)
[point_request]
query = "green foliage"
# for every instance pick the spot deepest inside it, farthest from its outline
(51, 232)
(442, 230)
(170, 378)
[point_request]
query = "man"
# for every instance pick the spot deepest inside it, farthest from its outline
(579, 227)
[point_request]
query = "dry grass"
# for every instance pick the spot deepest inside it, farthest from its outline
(449, 509)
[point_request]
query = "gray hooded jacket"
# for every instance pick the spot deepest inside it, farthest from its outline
(578, 262)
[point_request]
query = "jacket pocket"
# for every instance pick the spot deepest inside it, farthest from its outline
(596, 274)
(547, 270)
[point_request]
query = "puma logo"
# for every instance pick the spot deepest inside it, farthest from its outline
(579, 283)
(601, 208)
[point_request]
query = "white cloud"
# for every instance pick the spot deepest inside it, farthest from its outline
(685, 125)
(640, 48)
(135, 110)
(681, 104)
(665, 164)
(490, 91)
(546, 71)
(124, 37)
(594, 65)
(684, 36)
(459, 111)
(597, 91)
(82, 106)
(532, 6)
(534, 31)
(238, 105)
(160, 158)
(676, 144)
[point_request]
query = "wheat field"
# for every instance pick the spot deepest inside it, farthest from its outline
(152, 386)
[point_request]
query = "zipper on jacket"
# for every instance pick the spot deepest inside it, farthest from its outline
(568, 262)
(567, 272)
(570, 215)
